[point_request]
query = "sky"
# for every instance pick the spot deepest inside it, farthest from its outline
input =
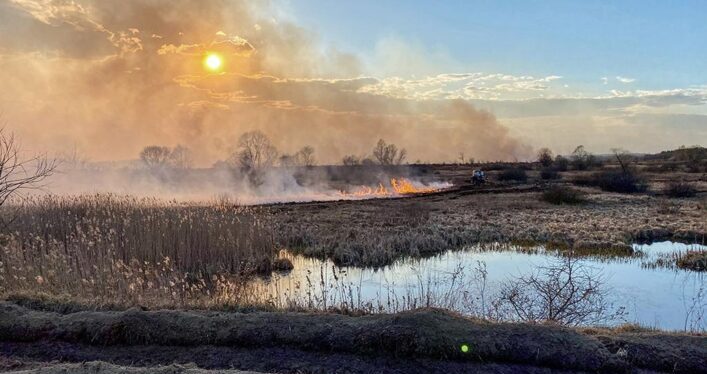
(492, 79)
(661, 45)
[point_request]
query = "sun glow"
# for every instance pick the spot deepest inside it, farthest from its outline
(213, 62)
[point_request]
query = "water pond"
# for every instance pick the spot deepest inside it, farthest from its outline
(646, 287)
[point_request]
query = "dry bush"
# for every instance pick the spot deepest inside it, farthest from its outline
(615, 181)
(549, 173)
(693, 260)
(513, 174)
(545, 157)
(566, 292)
(18, 173)
(560, 195)
(561, 163)
(680, 190)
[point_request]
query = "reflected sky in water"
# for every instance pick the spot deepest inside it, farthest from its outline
(652, 295)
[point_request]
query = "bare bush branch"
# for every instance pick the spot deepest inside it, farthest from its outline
(566, 292)
(18, 173)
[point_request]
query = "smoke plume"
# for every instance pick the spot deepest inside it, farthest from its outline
(109, 78)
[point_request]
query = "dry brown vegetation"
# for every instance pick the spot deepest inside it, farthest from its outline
(71, 255)
(377, 232)
(416, 335)
(107, 249)
(693, 260)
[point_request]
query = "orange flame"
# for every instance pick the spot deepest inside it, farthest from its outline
(398, 186)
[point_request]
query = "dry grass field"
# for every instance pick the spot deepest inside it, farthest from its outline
(85, 278)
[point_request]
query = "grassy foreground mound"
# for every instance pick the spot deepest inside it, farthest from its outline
(421, 334)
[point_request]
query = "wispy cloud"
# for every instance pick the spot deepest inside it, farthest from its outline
(460, 86)
(625, 79)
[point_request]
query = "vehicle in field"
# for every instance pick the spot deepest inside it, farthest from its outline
(478, 177)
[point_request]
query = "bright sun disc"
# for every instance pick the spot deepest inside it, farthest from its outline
(213, 62)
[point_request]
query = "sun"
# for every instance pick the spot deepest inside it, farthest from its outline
(213, 62)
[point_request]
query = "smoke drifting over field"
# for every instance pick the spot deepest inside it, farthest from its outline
(112, 77)
(216, 184)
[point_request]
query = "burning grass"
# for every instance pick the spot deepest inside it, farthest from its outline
(397, 187)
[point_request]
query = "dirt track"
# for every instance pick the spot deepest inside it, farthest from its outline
(415, 342)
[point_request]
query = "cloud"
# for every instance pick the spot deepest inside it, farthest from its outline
(625, 79)
(234, 45)
(460, 86)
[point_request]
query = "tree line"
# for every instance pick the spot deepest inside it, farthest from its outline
(255, 151)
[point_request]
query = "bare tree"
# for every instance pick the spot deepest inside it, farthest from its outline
(254, 155)
(18, 173)
(350, 160)
(623, 157)
(388, 154)
(255, 151)
(565, 292)
(306, 156)
(155, 156)
(72, 159)
(160, 157)
(545, 157)
(581, 159)
(180, 157)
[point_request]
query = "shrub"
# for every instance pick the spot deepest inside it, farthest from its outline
(513, 174)
(680, 190)
(545, 157)
(559, 195)
(561, 163)
(492, 166)
(693, 260)
(567, 292)
(615, 181)
(282, 264)
(549, 173)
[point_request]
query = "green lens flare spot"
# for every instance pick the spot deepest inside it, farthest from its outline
(465, 348)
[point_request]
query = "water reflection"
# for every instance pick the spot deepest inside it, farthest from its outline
(466, 281)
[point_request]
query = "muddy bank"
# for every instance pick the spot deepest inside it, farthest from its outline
(422, 334)
(212, 359)
(98, 367)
